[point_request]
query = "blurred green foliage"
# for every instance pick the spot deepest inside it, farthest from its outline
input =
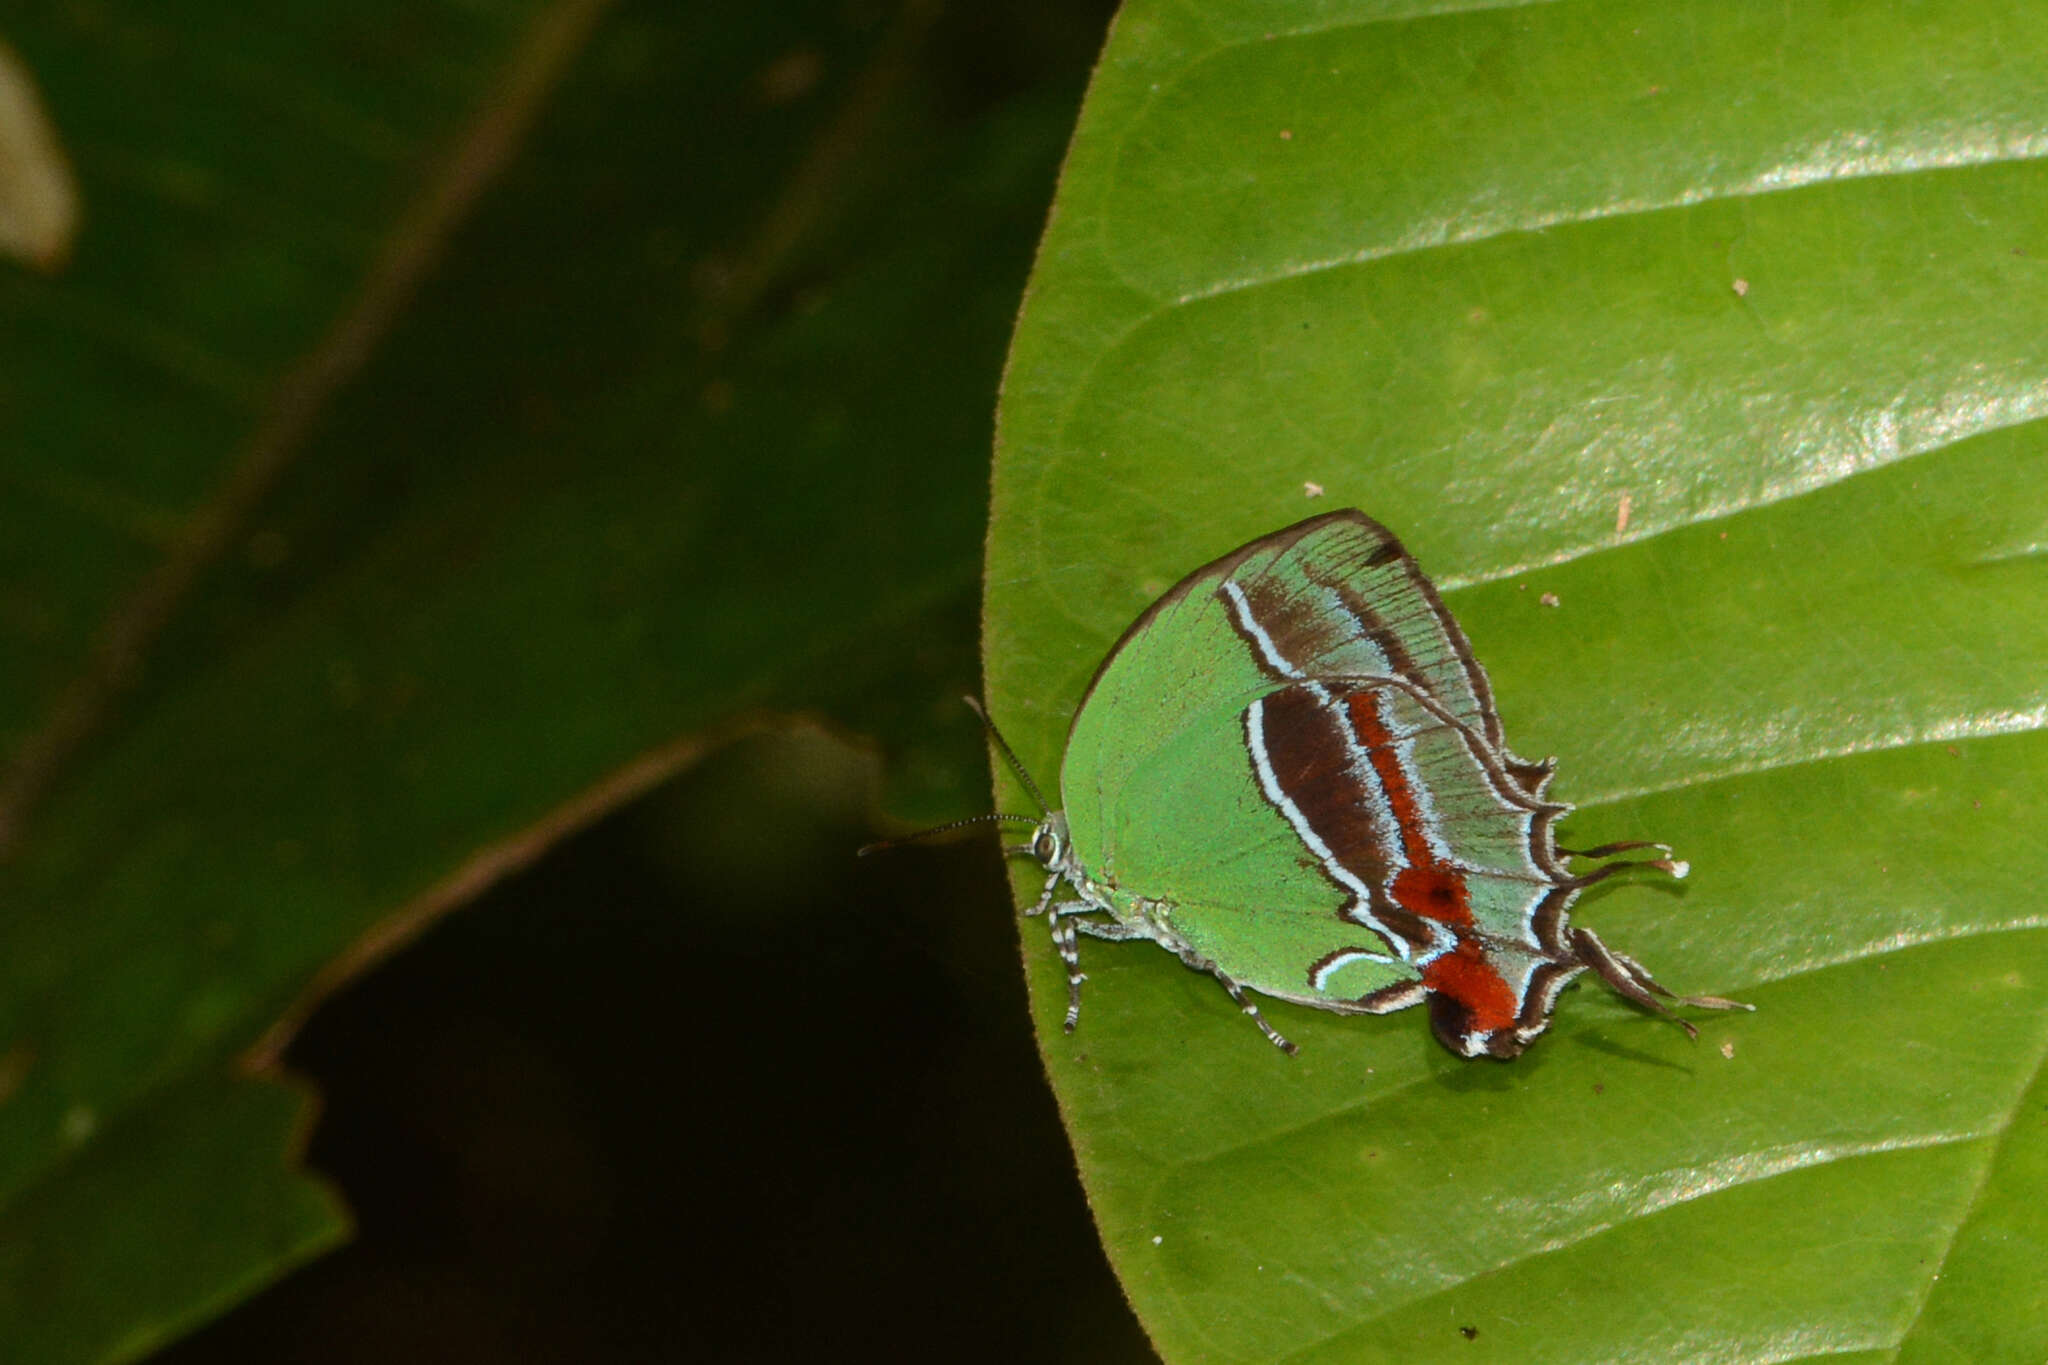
(433, 504)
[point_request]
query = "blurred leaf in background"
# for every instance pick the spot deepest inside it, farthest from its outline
(570, 1129)
(1698, 351)
(452, 422)
(38, 198)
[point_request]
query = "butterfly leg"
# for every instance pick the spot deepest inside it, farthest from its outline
(1064, 944)
(1052, 884)
(1065, 924)
(1273, 1035)
(1203, 964)
(1108, 930)
(1063, 941)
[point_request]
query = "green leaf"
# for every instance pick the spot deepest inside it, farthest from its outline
(1697, 350)
(333, 586)
(184, 1207)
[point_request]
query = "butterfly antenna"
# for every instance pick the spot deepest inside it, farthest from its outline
(1009, 756)
(947, 828)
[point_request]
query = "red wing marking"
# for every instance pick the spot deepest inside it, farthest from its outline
(1427, 887)
(1467, 977)
(1431, 888)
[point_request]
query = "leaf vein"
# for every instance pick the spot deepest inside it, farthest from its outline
(2001, 1137)
(1784, 178)
(1736, 1171)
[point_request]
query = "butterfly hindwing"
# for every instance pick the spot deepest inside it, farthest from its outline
(1289, 773)
(1292, 875)
(1436, 848)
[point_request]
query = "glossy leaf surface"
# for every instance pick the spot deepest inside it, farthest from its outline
(1697, 351)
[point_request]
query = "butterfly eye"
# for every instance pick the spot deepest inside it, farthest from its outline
(1046, 847)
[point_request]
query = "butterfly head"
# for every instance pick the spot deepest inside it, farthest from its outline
(1049, 843)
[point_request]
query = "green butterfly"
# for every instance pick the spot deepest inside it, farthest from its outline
(1289, 774)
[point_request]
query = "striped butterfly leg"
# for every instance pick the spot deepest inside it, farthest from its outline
(1062, 936)
(1251, 1011)
(1202, 964)
(1633, 982)
(1064, 922)
(1052, 886)
(1064, 919)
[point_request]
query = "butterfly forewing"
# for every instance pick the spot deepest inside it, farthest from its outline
(1343, 599)
(1337, 593)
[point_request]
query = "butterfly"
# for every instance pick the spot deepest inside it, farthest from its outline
(1289, 773)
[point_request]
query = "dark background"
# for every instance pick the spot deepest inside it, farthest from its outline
(701, 1085)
